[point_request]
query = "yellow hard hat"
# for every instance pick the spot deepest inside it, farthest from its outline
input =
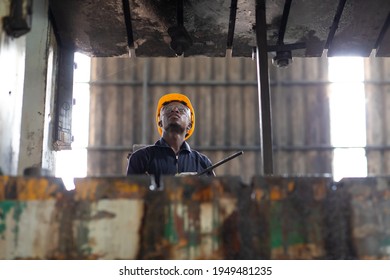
(171, 97)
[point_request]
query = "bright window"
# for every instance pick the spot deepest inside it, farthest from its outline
(73, 163)
(347, 117)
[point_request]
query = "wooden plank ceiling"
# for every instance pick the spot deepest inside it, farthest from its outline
(147, 28)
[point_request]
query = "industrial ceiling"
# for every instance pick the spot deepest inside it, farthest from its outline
(158, 28)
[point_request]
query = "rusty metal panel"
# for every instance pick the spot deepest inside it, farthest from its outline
(30, 188)
(369, 200)
(192, 217)
(200, 220)
(64, 101)
(296, 215)
(96, 188)
(31, 218)
(107, 216)
(358, 30)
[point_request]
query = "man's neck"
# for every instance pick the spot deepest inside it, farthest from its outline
(174, 140)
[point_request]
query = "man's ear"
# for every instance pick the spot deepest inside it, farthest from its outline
(189, 126)
(160, 123)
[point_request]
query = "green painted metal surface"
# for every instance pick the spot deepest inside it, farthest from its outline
(192, 217)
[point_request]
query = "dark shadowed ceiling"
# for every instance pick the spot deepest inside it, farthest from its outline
(148, 28)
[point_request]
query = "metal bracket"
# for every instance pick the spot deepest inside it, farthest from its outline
(181, 40)
(18, 22)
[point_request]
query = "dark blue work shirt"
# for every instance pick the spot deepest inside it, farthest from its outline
(160, 159)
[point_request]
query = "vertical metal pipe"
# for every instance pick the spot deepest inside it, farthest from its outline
(129, 27)
(232, 23)
(263, 89)
(180, 12)
(283, 24)
(145, 101)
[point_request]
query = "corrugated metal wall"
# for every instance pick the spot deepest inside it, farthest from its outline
(124, 94)
(377, 90)
(301, 126)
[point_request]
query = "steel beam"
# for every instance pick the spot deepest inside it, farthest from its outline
(263, 89)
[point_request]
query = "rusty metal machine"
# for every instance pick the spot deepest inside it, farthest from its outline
(195, 217)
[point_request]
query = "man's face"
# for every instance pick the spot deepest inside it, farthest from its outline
(176, 116)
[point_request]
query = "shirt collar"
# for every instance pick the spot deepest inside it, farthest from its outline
(185, 146)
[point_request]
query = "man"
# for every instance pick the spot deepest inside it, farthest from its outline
(171, 154)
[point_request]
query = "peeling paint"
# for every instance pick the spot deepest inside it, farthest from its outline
(195, 218)
(18, 210)
(5, 208)
(15, 208)
(36, 189)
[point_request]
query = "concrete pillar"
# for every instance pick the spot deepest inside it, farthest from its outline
(34, 89)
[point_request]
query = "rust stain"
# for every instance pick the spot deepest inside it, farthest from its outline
(204, 194)
(258, 194)
(291, 186)
(100, 188)
(319, 191)
(275, 193)
(126, 188)
(218, 187)
(86, 189)
(4, 180)
(36, 189)
(183, 242)
(175, 195)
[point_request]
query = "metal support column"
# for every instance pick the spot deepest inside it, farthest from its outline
(263, 89)
(145, 101)
(32, 123)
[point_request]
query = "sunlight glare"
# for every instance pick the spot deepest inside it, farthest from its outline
(73, 163)
(347, 117)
